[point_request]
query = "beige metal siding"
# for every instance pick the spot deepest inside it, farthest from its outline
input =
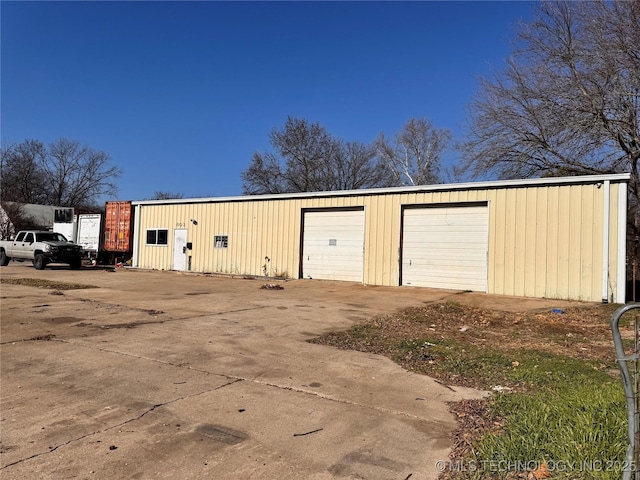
(615, 276)
(545, 240)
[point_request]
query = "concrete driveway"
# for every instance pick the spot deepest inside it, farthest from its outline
(166, 375)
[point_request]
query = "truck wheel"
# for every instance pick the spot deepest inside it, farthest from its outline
(40, 261)
(76, 263)
(4, 260)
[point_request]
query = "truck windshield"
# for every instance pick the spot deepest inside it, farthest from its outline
(50, 237)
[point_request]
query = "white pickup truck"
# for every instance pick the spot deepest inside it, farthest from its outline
(42, 248)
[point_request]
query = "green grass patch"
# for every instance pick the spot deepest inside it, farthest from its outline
(579, 432)
(486, 367)
(40, 283)
(562, 405)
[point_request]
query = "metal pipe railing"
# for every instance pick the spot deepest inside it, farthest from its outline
(630, 388)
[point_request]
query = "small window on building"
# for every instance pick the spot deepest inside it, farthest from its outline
(163, 237)
(220, 241)
(157, 236)
(333, 242)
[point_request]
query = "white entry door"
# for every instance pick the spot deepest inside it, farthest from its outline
(180, 249)
(333, 245)
(446, 247)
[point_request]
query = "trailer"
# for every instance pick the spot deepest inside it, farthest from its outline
(89, 229)
(63, 221)
(30, 216)
(117, 246)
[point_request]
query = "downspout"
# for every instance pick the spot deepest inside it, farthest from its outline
(605, 243)
(136, 236)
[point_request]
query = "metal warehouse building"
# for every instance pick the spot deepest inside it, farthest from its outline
(556, 237)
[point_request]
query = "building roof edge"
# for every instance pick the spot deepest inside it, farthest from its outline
(616, 177)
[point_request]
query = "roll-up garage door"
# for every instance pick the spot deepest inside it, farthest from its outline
(333, 245)
(446, 247)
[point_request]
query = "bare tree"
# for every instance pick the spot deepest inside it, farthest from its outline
(264, 175)
(568, 102)
(298, 164)
(13, 218)
(160, 195)
(306, 149)
(354, 166)
(76, 175)
(307, 158)
(21, 173)
(413, 155)
(65, 173)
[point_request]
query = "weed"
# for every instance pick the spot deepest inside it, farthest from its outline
(579, 431)
(281, 274)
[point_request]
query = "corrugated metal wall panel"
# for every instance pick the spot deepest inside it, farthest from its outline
(551, 242)
(562, 259)
(529, 242)
(544, 240)
(541, 234)
(511, 227)
(589, 263)
(613, 242)
(497, 211)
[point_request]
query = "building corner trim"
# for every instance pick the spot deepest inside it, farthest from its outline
(605, 241)
(136, 236)
(621, 290)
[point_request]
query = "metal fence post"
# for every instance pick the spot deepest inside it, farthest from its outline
(630, 389)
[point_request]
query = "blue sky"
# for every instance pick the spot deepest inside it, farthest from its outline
(181, 94)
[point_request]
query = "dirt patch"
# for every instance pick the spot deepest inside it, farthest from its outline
(46, 338)
(479, 347)
(413, 337)
(65, 319)
(220, 434)
(474, 417)
(130, 324)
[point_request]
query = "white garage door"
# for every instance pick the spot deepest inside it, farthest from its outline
(333, 245)
(446, 247)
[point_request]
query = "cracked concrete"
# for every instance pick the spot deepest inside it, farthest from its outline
(219, 382)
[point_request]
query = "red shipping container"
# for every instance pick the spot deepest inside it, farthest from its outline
(118, 227)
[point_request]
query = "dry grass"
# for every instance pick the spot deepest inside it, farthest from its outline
(431, 339)
(556, 363)
(40, 283)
